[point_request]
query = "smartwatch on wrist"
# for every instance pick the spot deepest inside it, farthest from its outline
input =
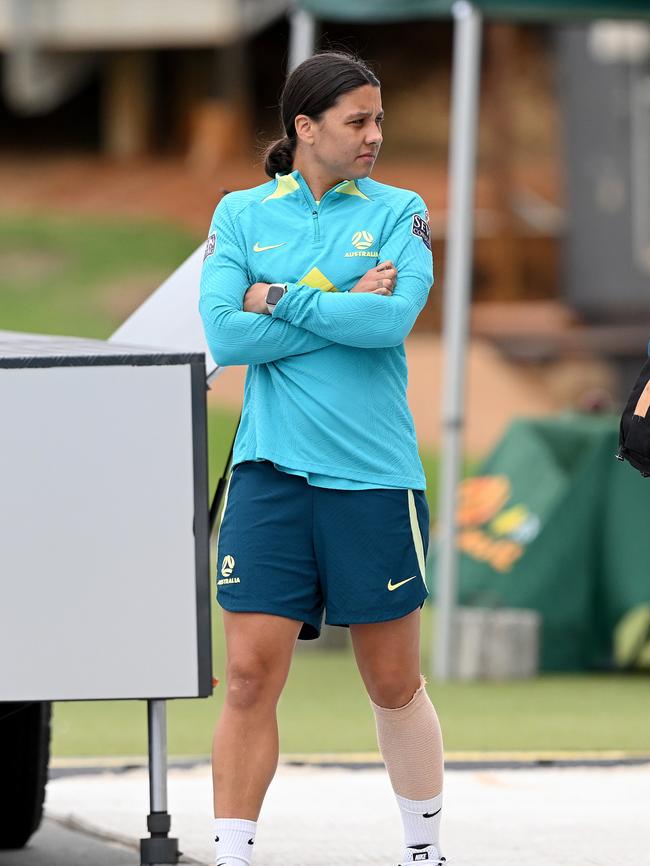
(273, 295)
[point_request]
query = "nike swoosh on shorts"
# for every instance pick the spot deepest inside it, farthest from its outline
(391, 586)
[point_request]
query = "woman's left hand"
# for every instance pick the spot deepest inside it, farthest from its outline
(255, 299)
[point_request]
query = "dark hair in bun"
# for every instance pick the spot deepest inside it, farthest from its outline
(311, 89)
(278, 157)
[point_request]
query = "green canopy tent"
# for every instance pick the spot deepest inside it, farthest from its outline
(468, 17)
(520, 10)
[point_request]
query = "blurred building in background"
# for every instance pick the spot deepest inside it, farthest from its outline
(129, 78)
(201, 80)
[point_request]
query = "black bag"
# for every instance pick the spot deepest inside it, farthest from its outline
(634, 435)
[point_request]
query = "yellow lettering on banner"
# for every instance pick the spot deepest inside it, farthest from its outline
(500, 554)
(510, 520)
(505, 555)
(477, 543)
(471, 542)
(481, 498)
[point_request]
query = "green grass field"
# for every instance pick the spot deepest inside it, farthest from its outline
(83, 277)
(324, 709)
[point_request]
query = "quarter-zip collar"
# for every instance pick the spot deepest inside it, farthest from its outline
(345, 186)
(289, 184)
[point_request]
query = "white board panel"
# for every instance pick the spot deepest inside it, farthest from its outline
(169, 318)
(97, 550)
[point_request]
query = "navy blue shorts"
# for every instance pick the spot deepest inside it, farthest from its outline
(294, 550)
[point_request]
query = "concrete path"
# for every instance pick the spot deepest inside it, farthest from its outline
(341, 817)
(55, 845)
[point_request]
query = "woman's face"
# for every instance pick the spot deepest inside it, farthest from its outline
(346, 139)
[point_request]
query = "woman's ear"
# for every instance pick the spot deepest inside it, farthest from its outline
(304, 129)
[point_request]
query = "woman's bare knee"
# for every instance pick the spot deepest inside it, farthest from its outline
(391, 688)
(251, 683)
(259, 650)
(388, 657)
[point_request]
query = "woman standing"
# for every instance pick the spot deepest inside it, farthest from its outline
(314, 280)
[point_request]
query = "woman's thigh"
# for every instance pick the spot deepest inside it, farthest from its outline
(259, 648)
(388, 658)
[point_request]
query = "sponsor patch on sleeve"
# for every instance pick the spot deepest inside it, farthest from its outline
(420, 228)
(210, 245)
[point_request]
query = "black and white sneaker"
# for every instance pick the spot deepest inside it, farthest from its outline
(427, 854)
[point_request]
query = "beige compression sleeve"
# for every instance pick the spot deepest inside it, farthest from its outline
(410, 741)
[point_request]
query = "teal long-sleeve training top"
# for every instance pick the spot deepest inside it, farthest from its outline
(325, 390)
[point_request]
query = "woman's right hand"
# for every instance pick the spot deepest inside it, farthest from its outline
(379, 280)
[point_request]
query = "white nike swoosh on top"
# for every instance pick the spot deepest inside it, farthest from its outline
(391, 586)
(258, 249)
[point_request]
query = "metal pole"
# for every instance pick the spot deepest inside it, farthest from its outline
(303, 37)
(159, 848)
(157, 726)
(460, 236)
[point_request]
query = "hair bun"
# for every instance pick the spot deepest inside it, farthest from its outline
(278, 157)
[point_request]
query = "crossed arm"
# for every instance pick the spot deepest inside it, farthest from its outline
(375, 313)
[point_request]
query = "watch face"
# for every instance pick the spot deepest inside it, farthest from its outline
(274, 294)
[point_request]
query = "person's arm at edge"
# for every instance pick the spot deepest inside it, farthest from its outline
(234, 336)
(365, 320)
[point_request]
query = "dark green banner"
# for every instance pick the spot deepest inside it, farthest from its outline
(555, 524)
(531, 10)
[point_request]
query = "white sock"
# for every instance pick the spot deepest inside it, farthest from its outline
(421, 819)
(234, 839)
